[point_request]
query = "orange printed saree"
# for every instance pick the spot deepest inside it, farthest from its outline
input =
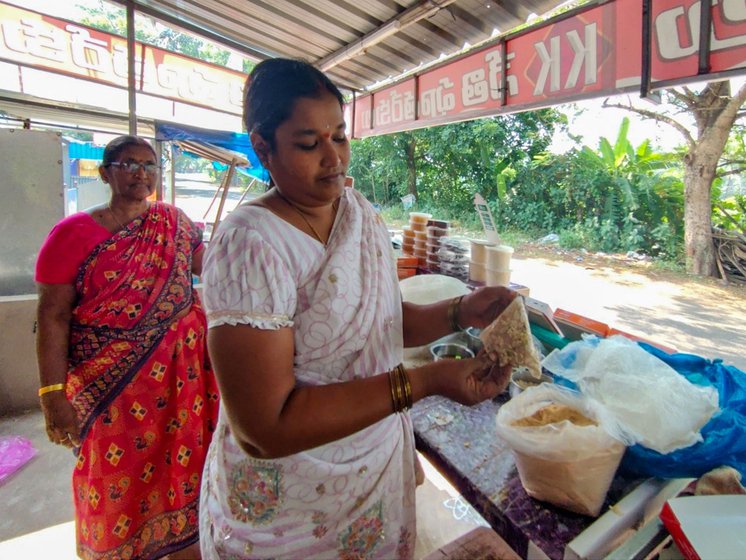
(143, 389)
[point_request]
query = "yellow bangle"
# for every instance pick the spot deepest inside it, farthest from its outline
(50, 388)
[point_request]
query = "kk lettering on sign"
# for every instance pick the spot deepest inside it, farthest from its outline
(677, 29)
(584, 60)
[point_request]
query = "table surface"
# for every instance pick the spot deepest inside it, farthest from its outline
(462, 442)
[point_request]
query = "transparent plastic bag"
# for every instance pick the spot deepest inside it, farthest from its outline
(15, 451)
(651, 403)
(562, 463)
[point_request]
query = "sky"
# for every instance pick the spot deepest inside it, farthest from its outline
(592, 121)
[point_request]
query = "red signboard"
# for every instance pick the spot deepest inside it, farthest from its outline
(590, 52)
(40, 41)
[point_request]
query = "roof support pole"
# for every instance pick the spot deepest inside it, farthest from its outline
(131, 66)
(705, 29)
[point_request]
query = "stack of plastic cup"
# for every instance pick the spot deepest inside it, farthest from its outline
(418, 225)
(453, 257)
(407, 246)
(436, 230)
(497, 265)
(478, 261)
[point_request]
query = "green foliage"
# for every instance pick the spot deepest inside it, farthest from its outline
(615, 198)
(445, 166)
(730, 213)
(113, 19)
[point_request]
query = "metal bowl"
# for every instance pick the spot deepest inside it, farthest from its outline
(521, 379)
(450, 350)
(475, 343)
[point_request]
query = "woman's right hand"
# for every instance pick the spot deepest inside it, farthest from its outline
(61, 420)
(466, 381)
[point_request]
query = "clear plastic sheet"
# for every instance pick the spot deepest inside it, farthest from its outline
(652, 404)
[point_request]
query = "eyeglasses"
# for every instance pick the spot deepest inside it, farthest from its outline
(134, 167)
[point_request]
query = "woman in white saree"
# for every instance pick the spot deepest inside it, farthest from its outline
(314, 452)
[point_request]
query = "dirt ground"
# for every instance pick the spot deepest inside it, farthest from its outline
(694, 315)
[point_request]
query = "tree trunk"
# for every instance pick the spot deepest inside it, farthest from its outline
(699, 172)
(411, 167)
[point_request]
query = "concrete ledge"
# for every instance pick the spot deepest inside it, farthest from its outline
(19, 377)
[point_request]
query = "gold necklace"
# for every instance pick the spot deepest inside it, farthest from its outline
(303, 214)
(108, 205)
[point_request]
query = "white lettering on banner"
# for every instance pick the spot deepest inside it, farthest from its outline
(394, 109)
(365, 118)
(549, 63)
(82, 53)
(673, 46)
(30, 37)
(198, 86)
(436, 103)
(551, 60)
(474, 88)
(119, 60)
(583, 55)
(494, 59)
(88, 53)
(480, 85)
(235, 93)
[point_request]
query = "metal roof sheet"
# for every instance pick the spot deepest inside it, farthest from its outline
(359, 43)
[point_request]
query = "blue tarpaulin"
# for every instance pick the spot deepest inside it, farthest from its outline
(233, 141)
(78, 150)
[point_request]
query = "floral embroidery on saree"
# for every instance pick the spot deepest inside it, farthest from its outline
(255, 492)
(361, 539)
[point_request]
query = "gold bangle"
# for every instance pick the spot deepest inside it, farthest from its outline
(49, 388)
(399, 392)
(392, 383)
(404, 378)
(453, 308)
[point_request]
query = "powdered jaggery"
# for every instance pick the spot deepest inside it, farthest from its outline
(552, 414)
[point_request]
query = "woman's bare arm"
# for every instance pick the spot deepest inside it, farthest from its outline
(271, 416)
(54, 312)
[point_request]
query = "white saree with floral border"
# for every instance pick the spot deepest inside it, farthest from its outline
(352, 498)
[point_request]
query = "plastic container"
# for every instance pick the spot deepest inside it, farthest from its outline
(435, 232)
(406, 262)
(419, 218)
(455, 244)
(432, 247)
(420, 244)
(479, 250)
(439, 223)
(497, 277)
(403, 273)
(432, 265)
(477, 272)
(420, 252)
(407, 232)
(420, 235)
(498, 257)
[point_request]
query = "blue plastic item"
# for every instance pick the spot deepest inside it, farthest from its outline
(724, 435)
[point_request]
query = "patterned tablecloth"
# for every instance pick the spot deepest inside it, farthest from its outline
(462, 442)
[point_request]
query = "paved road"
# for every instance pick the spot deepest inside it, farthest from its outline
(693, 317)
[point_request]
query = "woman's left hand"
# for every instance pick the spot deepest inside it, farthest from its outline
(483, 305)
